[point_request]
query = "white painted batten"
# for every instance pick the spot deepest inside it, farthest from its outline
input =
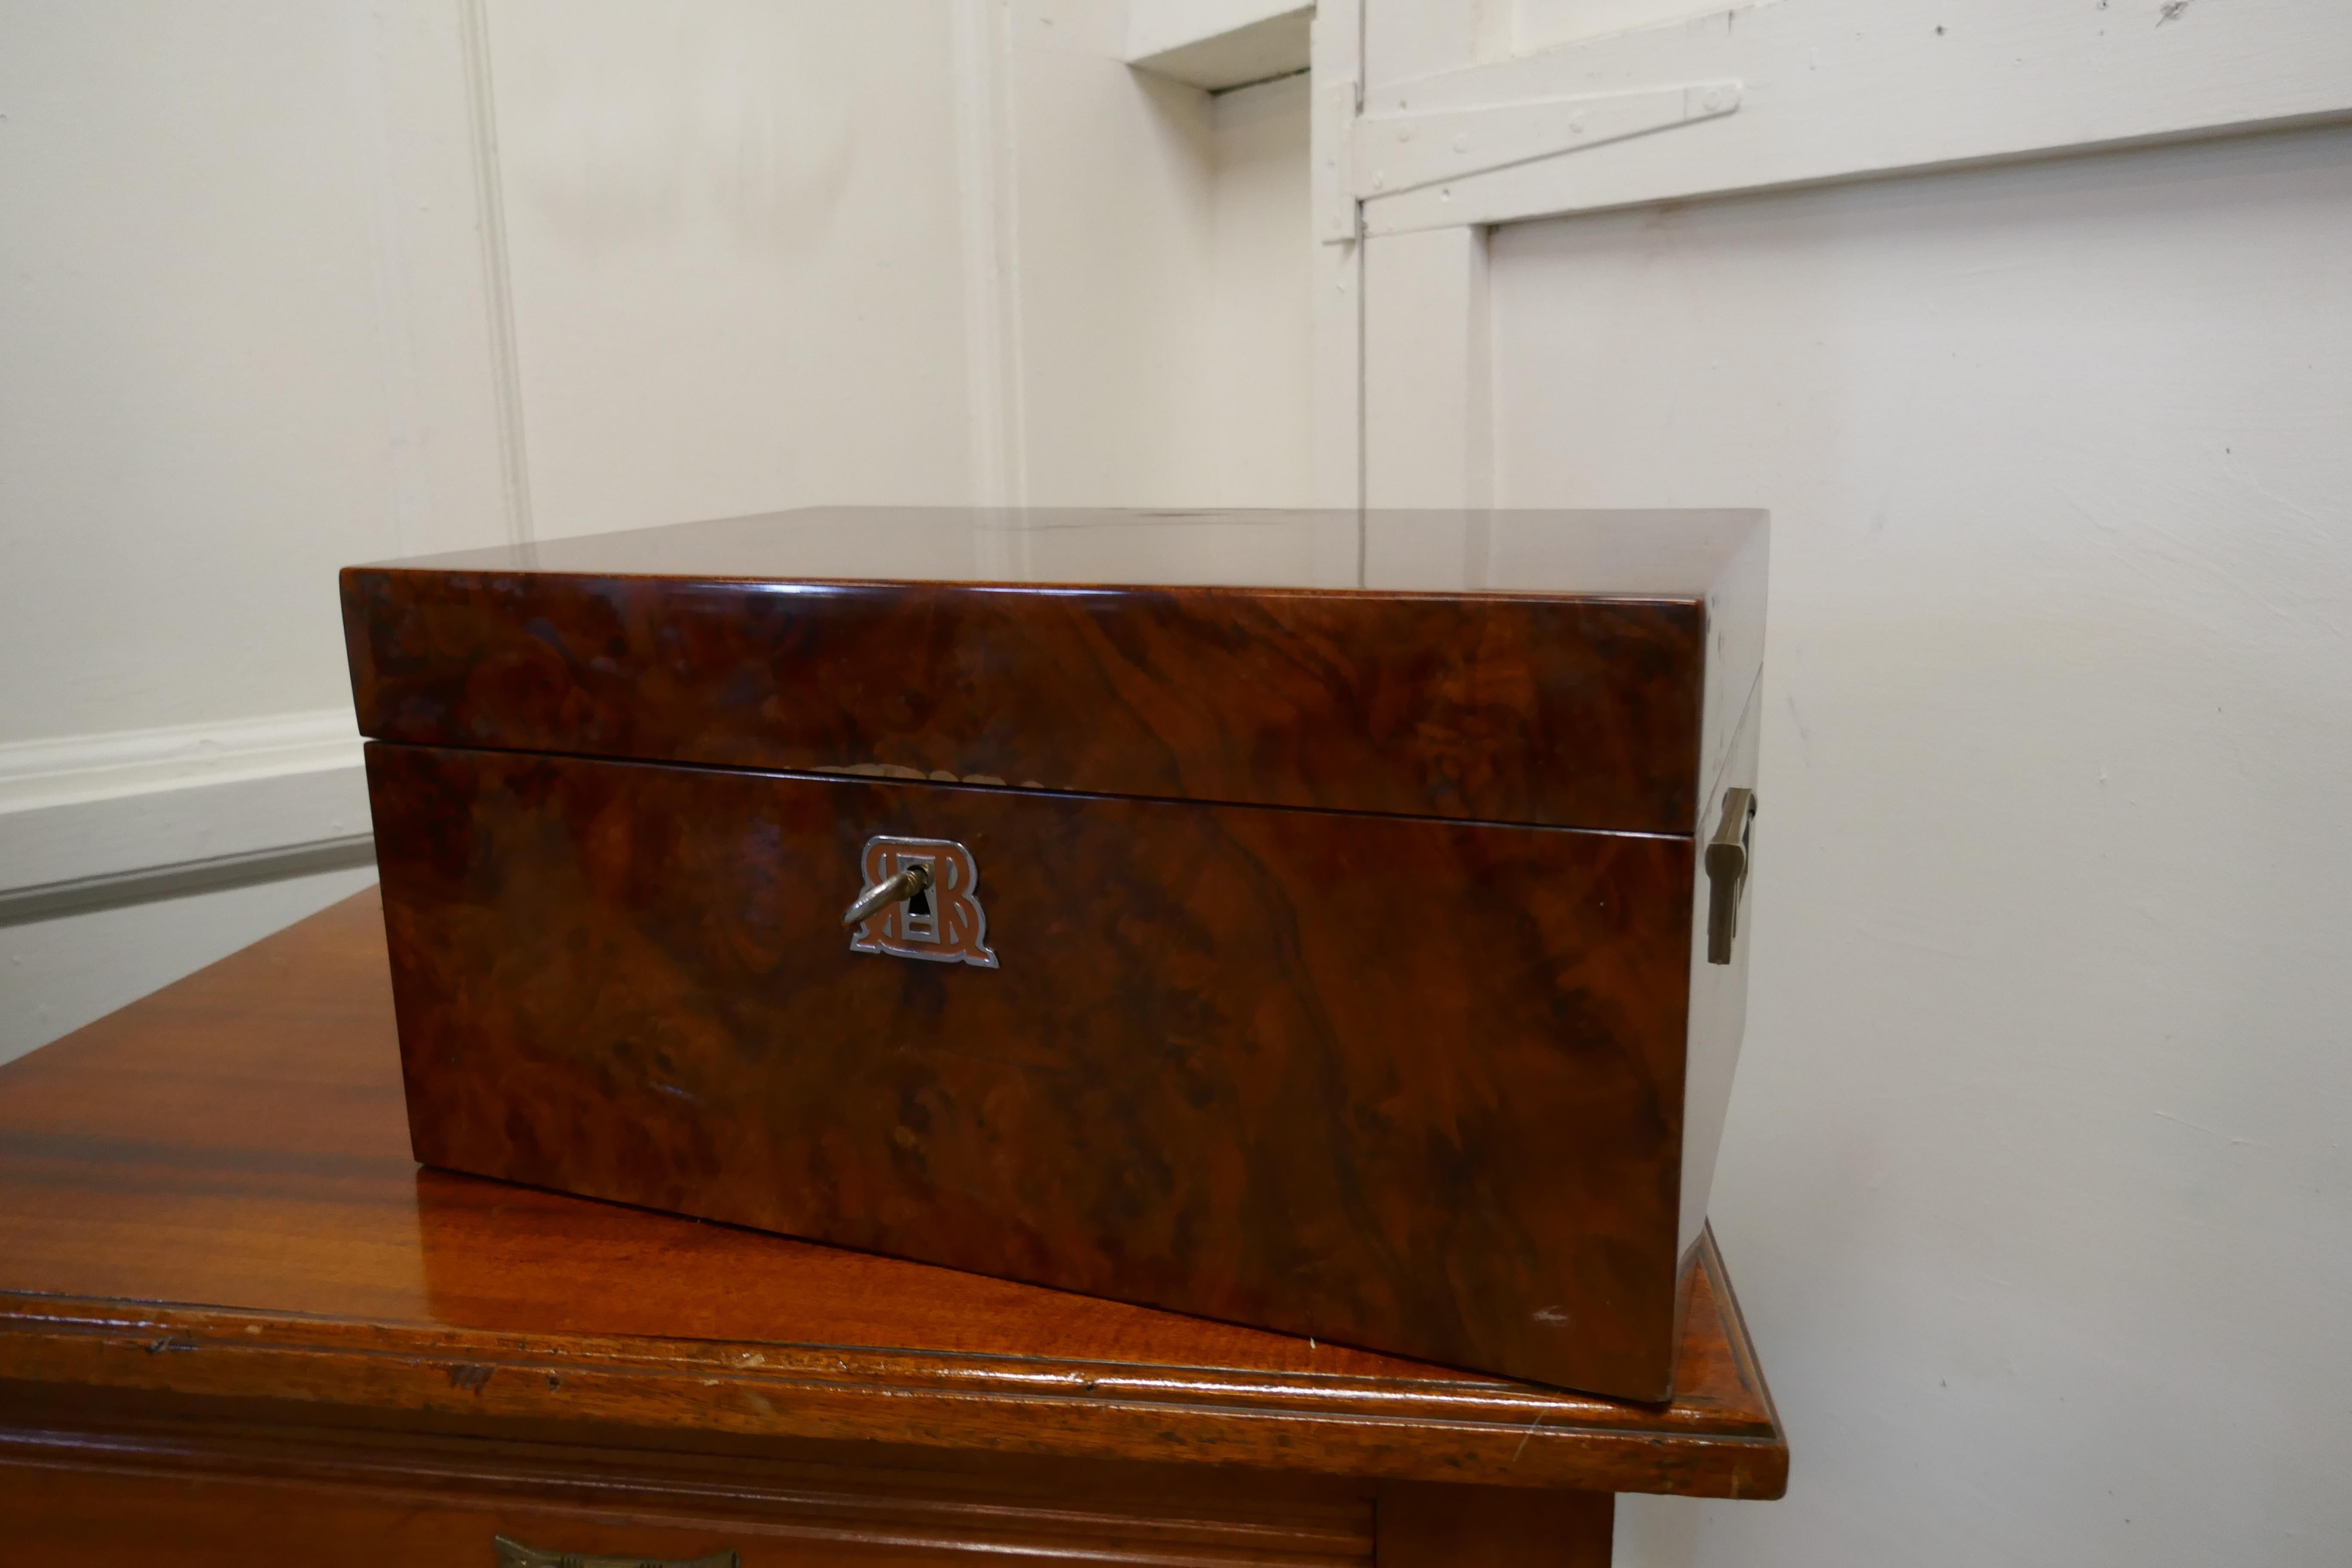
(1336, 428)
(497, 270)
(1842, 89)
(1218, 43)
(82, 768)
(1399, 152)
(987, 203)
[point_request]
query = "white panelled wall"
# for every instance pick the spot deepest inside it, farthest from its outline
(2035, 1183)
(2034, 1180)
(240, 346)
(769, 255)
(292, 286)
(732, 231)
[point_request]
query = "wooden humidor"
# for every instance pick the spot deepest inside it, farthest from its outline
(1302, 919)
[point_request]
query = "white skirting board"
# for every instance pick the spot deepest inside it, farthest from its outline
(96, 810)
(129, 860)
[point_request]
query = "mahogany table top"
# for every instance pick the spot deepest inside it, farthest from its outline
(210, 1192)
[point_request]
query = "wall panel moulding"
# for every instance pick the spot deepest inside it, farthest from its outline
(1218, 43)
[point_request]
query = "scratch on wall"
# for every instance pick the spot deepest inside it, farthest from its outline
(2171, 11)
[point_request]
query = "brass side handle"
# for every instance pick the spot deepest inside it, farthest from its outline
(513, 1553)
(914, 879)
(1726, 872)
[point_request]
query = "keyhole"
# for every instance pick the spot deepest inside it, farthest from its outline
(921, 904)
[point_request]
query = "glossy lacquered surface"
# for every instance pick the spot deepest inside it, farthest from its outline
(1257, 1065)
(209, 1195)
(1560, 668)
(1635, 554)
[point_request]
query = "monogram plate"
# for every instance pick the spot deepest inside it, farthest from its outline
(949, 928)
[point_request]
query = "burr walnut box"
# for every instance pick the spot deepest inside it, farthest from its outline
(1331, 923)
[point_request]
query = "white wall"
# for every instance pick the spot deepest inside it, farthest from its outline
(1261, 384)
(756, 261)
(733, 234)
(293, 286)
(259, 254)
(196, 323)
(2034, 1186)
(1161, 317)
(241, 343)
(1113, 192)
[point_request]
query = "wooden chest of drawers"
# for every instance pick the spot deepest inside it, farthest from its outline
(1300, 919)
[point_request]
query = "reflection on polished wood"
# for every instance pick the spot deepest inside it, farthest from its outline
(235, 1314)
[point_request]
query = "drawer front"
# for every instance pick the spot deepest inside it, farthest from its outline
(239, 1502)
(114, 1519)
(1401, 1083)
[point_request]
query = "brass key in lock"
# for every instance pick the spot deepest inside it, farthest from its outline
(915, 879)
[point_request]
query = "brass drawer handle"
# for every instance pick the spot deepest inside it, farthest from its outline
(915, 879)
(513, 1553)
(1726, 872)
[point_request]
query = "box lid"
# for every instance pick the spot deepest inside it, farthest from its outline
(1562, 668)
